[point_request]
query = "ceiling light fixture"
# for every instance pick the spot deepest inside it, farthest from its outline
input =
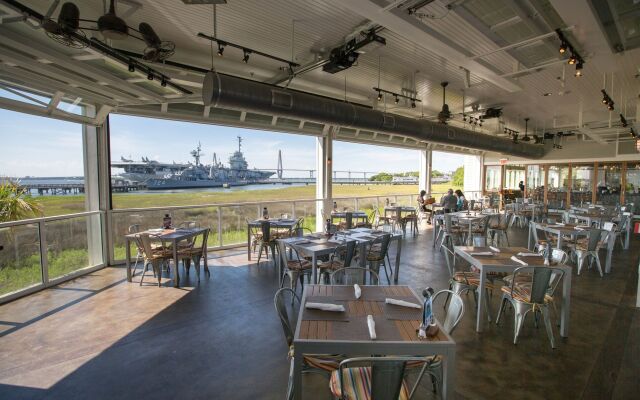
(163, 82)
(132, 68)
(579, 67)
(150, 76)
(247, 50)
(623, 120)
(574, 58)
(220, 49)
(396, 96)
(246, 53)
(563, 47)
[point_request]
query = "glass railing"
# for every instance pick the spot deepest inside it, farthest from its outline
(40, 252)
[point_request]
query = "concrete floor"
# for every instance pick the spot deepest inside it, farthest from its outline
(99, 337)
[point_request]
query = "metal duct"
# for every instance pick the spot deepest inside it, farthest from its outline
(220, 90)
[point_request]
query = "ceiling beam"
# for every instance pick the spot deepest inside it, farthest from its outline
(409, 27)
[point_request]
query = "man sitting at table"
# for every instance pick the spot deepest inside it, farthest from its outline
(449, 201)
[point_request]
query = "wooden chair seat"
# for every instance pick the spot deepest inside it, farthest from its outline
(294, 265)
(522, 292)
(331, 265)
(357, 384)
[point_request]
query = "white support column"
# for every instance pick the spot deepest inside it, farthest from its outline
(473, 175)
(90, 139)
(424, 176)
(324, 176)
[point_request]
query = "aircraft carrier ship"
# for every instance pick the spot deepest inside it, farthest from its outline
(159, 176)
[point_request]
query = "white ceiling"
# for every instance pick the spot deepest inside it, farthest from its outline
(419, 54)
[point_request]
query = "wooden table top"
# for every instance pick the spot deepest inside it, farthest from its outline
(393, 323)
(168, 234)
(275, 221)
(503, 258)
(565, 229)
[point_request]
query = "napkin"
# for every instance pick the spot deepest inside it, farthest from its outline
(326, 307)
(481, 253)
(357, 290)
(578, 228)
(558, 224)
(519, 261)
(497, 250)
(402, 303)
(372, 327)
(528, 254)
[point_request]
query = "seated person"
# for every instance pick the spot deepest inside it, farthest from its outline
(461, 203)
(449, 202)
(422, 201)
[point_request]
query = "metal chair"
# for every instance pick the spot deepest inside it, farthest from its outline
(266, 241)
(140, 253)
(353, 275)
(450, 232)
(322, 364)
(498, 225)
(453, 315)
(196, 254)
(155, 256)
(382, 378)
(255, 235)
(376, 254)
(341, 258)
(533, 296)
(480, 230)
(295, 267)
(596, 239)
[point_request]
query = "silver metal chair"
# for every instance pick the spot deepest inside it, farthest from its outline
(294, 267)
(534, 296)
(453, 315)
(596, 239)
(341, 258)
(382, 378)
(498, 225)
(353, 275)
(140, 253)
(321, 364)
(195, 254)
(376, 254)
(156, 256)
(450, 232)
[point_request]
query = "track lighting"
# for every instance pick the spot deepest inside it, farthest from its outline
(572, 59)
(163, 82)
(132, 68)
(610, 106)
(222, 44)
(579, 67)
(563, 47)
(396, 96)
(246, 56)
(150, 76)
(623, 120)
(220, 49)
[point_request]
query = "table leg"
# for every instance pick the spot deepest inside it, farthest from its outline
(626, 237)
(206, 260)
(566, 303)
(176, 272)
(297, 375)
(470, 238)
(529, 244)
(248, 243)
(435, 230)
(560, 240)
(449, 374)
(314, 268)
(398, 252)
(610, 246)
(127, 251)
(481, 300)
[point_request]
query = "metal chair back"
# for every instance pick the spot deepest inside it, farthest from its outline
(544, 280)
(144, 243)
(387, 374)
(134, 228)
(281, 301)
(455, 310)
(348, 219)
(265, 228)
(348, 250)
(188, 225)
(353, 275)
(594, 238)
(383, 240)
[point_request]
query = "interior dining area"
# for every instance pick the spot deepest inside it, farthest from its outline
(454, 213)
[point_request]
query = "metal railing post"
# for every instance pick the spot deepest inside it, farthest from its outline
(293, 209)
(220, 225)
(44, 259)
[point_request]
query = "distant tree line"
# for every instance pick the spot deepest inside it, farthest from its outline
(388, 177)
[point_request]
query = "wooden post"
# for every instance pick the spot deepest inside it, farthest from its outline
(594, 183)
(569, 187)
(545, 168)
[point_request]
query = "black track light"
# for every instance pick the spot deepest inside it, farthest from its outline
(396, 100)
(246, 56)
(379, 96)
(579, 67)
(150, 76)
(573, 59)
(605, 96)
(132, 67)
(563, 47)
(163, 82)
(623, 120)
(413, 104)
(220, 49)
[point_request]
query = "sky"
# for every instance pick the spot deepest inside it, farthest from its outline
(38, 146)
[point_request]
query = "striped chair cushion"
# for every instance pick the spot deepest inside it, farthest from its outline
(357, 384)
(333, 265)
(294, 265)
(491, 274)
(324, 362)
(522, 292)
(472, 278)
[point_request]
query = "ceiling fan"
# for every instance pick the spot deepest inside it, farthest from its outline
(110, 26)
(444, 115)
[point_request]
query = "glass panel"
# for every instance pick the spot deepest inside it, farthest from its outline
(234, 222)
(493, 178)
(558, 186)
(632, 189)
(581, 182)
(307, 210)
(513, 176)
(535, 182)
(68, 245)
(609, 184)
(20, 258)
(345, 204)
(367, 204)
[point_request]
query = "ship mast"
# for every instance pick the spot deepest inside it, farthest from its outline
(239, 144)
(196, 154)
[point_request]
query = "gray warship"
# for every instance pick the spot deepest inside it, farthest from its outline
(159, 176)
